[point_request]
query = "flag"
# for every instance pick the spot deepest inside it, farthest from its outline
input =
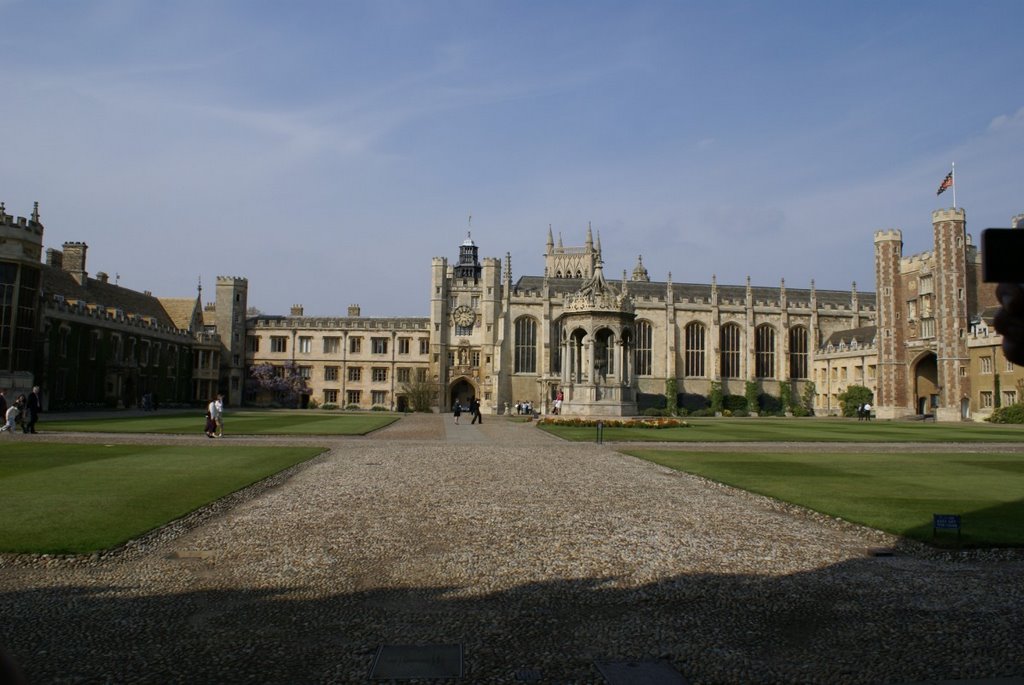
(946, 183)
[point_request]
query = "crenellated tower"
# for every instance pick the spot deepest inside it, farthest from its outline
(951, 312)
(892, 390)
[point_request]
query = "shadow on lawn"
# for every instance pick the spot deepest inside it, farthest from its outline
(984, 527)
(863, 621)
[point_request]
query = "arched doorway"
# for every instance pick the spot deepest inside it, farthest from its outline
(926, 384)
(461, 391)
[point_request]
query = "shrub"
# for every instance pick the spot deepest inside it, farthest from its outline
(671, 397)
(1013, 413)
(351, 406)
(853, 397)
(800, 410)
(378, 407)
(654, 411)
(771, 405)
(646, 400)
(704, 411)
(587, 422)
(692, 401)
(750, 394)
(733, 403)
(808, 398)
(786, 395)
(741, 412)
(328, 405)
(312, 403)
(715, 397)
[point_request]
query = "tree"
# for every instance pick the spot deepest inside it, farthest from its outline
(751, 393)
(284, 383)
(672, 404)
(715, 397)
(853, 397)
(421, 394)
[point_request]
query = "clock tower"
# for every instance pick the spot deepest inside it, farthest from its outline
(465, 299)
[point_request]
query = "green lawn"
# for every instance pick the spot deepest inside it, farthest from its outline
(250, 422)
(801, 430)
(58, 498)
(897, 493)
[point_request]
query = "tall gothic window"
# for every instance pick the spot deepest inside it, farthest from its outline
(643, 348)
(730, 345)
(556, 347)
(526, 345)
(694, 362)
(764, 351)
(798, 352)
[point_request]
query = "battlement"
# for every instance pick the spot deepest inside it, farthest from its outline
(957, 214)
(232, 280)
(1017, 221)
(28, 227)
(890, 234)
(91, 310)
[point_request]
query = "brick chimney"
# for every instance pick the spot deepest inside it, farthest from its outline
(296, 310)
(54, 258)
(353, 311)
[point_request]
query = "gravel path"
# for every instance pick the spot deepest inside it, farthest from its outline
(539, 556)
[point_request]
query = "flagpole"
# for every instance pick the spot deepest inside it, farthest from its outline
(953, 172)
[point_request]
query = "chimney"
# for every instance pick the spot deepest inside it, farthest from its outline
(74, 261)
(353, 311)
(102, 277)
(296, 310)
(54, 258)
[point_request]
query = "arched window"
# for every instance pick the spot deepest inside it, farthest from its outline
(730, 345)
(693, 364)
(556, 347)
(526, 345)
(643, 348)
(764, 351)
(798, 352)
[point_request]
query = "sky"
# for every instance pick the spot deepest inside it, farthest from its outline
(327, 150)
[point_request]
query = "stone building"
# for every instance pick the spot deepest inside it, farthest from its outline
(21, 246)
(346, 361)
(504, 341)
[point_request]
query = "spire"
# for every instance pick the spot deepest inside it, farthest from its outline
(560, 240)
(640, 271)
(35, 212)
(590, 238)
(599, 243)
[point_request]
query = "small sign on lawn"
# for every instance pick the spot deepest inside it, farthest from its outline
(945, 522)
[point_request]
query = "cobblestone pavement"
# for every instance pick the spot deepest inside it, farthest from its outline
(538, 556)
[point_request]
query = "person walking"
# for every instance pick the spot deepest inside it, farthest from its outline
(11, 417)
(33, 405)
(3, 401)
(457, 411)
(216, 413)
(474, 409)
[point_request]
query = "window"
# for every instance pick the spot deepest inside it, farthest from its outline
(332, 345)
(403, 345)
(403, 375)
(463, 329)
(927, 328)
(355, 345)
(556, 347)
(424, 345)
(379, 345)
(64, 334)
(911, 310)
(352, 396)
(1009, 365)
(798, 353)
(526, 345)
(986, 399)
(730, 346)
(355, 373)
(475, 301)
(1009, 397)
(330, 396)
(305, 344)
(764, 351)
(926, 285)
(330, 373)
(986, 364)
(643, 348)
(252, 343)
(475, 359)
(379, 398)
(421, 375)
(693, 364)
(278, 343)
(94, 344)
(144, 353)
(379, 374)
(305, 372)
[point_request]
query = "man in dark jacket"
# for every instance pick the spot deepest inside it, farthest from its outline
(32, 407)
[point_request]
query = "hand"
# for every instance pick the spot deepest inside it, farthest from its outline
(1009, 320)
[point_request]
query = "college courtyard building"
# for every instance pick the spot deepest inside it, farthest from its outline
(922, 342)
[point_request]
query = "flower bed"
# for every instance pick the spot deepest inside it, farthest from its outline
(581, 422)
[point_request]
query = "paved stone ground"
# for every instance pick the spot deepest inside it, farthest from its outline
(538, 556)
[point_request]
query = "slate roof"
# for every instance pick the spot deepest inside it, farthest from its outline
(702, 291)
(59, 282)
(180, 309)
(864, 335)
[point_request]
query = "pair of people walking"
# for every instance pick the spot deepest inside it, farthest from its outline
(215, 418)
(474, 409)
(24, 408)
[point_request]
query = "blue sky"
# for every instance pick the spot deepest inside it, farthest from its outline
(327, 150)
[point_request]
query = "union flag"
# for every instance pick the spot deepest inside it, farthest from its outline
(946, 183)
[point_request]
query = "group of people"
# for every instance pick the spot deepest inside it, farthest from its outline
(524, 407)
(215, 418)
(474, 409)
(864, 412)
(23, 410)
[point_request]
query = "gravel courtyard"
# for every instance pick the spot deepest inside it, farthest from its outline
(540, 557)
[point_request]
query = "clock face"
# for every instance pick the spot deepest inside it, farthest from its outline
(464, 316)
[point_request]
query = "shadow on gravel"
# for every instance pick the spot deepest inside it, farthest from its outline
(863, 621)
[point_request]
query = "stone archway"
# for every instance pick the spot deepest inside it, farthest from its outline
(461, 390)
(926, 383)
